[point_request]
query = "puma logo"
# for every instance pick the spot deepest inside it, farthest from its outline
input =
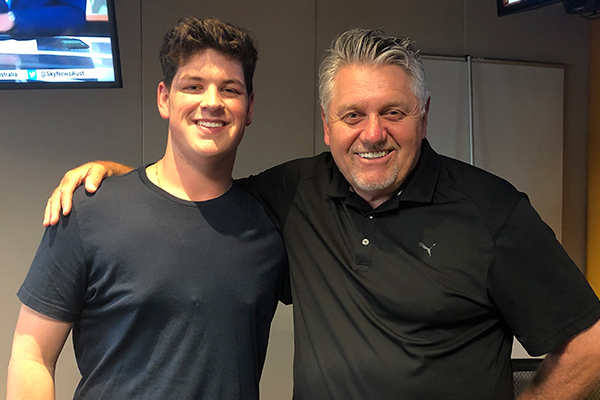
(427, 249)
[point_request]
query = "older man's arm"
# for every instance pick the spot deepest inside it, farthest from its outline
(569, 372)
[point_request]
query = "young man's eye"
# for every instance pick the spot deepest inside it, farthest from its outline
(231, 91)
(193, 87)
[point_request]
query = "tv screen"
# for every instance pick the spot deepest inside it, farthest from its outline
(512, 6)
(63, 44)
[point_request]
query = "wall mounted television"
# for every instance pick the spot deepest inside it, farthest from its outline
(67, 44)
(512, 6)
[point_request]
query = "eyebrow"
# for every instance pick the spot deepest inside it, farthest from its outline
(201, 79)
(358, 106)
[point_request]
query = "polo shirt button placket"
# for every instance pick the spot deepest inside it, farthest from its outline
(365, 247)
(365, 242)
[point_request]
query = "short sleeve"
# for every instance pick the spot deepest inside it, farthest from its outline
(277, 187)
(542, 295)
(56, 282)
(275, 190)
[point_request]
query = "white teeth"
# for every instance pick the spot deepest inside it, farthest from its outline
(210, 124)
(374, 154)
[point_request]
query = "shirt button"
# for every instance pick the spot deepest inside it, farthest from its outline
(365, 242)
(371, 217)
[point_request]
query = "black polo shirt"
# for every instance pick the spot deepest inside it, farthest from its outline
(419, 298)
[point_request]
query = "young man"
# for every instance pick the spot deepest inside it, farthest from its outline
(169, 277)
(412, 272)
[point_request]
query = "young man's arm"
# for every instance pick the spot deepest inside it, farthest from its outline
(37, 342)
(569, 372)
(91, 174)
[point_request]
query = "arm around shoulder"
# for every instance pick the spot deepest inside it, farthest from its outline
(91, 174)
(569, 372)
(37, 343)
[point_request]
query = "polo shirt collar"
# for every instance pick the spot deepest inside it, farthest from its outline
(419, 187)
(339, 186)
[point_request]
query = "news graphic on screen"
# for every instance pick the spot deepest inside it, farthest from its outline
(506, 7)
(58, 44)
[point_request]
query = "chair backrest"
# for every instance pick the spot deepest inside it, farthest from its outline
(524, 370)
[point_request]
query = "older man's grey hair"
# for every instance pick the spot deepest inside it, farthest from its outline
(371, 47)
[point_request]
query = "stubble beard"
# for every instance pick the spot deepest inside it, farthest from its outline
(364, 183)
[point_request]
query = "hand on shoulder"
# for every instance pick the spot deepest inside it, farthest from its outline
(91, 174)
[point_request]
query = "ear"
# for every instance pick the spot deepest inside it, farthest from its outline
(325, 127)
(162, 100)
(250, 109)
(425, 115)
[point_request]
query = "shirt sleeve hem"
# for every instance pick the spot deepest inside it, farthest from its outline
(43, 307)
(564, 334)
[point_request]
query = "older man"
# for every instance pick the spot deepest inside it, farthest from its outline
(411, 272)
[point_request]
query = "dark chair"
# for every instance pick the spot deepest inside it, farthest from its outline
(523, 371)
(525, 368)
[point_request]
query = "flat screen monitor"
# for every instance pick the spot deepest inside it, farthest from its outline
(69, 44)
(512, 6)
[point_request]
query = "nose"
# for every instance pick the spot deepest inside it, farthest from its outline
(211, 99)
(374, 132)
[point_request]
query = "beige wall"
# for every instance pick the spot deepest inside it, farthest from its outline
(46, 132)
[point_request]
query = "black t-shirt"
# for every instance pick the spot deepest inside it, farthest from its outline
(170, 299)
(419, 298)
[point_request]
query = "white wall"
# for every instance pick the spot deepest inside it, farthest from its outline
(44, 133)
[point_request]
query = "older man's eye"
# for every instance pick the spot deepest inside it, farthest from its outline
(394, 115)
(352, 118)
